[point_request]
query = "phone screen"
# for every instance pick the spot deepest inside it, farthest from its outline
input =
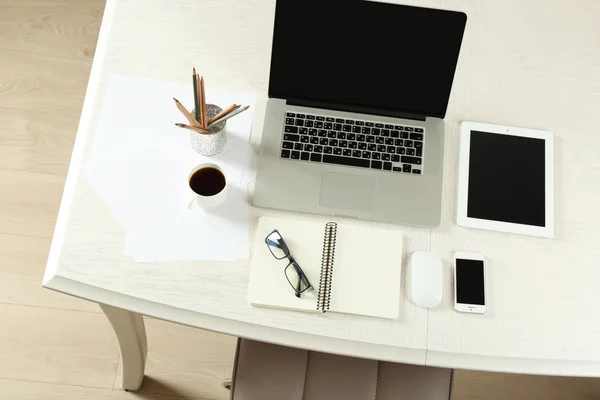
(470, 282)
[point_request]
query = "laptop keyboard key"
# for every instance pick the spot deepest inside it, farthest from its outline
(381, 148)
(375, 131)
(380, 140)
(310, 117)
(370, 139)
(387, 166)
(391, 149)
(323, 141)
(416, 171)
(351, 136)
(289, 121)
(370, 124)
(386, 157)
(411, 160)
(395, 134)
(366, 131)
(315, 157)
(406, 168)
(347, 152)
(360, 123)
(318, 125)
(404, 135)
(312, 132)
(408, 143)
(389, 141)
(355, 162)
(298, 146)
(318, 149)
(366, 154)
(408, 129)
(399, 142)
(299, 122)
(322, 133)
(337, 127)
(291, 138)
(291, 129)
(356, 129)
(320, 118)
(328, 125)
(288, 145)
(303, 131)
(329, 119)
(372, 147)
(419, 130)
(400, 150)
(347, 128)
(353, 145)
(291, 114)
(305, 156)
(419, 153)
(337, 151)
(416, 136)
(339, 120)
(300, 116)
(331, 134)
(304, 139)
(376, 164)
(362, 146)
(395, 158)
(328, 150)
(285, 153)
(356, 153)
(376, 156)
(308, 147)
(341, 135)
(410, 152)
(385, 132)
(397, 169)
(309, 124)
(343, 143)
(295, 155)
(418, 145)
(314, 140)
(333, 142)
(349, 122)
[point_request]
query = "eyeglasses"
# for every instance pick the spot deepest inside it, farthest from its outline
(294, 274)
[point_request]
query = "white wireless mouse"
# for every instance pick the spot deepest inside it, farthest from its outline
(426, 278)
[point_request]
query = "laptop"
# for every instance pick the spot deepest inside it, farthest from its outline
(354, 121)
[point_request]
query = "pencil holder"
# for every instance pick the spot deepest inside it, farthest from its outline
(209, 145)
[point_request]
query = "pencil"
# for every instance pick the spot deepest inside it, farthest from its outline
(196, 104)
(200, 114)
(203, 104)
(223, 113)
(186, 113)
(230, 115)
(194, 128)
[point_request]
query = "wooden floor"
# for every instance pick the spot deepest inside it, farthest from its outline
(46, 49)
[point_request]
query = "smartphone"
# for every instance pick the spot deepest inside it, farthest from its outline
(469, 283)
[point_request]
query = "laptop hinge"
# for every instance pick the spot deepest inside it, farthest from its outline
(356, 109)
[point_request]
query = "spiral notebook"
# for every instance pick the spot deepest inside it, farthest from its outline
(353, 269)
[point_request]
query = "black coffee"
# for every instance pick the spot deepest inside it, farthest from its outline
(207, 181)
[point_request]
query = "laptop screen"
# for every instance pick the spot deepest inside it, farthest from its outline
(365, 54)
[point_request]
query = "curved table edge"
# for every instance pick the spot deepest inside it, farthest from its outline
(513, 365)
(231, 327)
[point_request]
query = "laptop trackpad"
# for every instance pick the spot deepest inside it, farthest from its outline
(351, 192)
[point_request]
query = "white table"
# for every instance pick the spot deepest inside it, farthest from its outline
(533, 64)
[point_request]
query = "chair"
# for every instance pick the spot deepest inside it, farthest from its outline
(265, 371)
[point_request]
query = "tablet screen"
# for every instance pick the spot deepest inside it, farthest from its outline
(507, 179)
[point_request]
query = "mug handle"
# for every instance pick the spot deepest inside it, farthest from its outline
(191, 203)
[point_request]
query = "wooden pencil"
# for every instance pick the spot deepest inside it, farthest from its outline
(186, 113)
(199, 91)
(194, 128)
(230, 115)
(223, 113)
(196, 103)
(203, 104)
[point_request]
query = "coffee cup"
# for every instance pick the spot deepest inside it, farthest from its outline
(208, 186)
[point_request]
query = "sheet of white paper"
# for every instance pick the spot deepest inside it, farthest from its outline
(139, 164)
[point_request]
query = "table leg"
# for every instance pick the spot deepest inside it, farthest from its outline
(131, 334)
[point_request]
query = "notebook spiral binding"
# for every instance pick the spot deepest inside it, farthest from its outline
(324, 295)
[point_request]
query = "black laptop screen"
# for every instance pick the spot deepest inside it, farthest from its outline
(368, 54)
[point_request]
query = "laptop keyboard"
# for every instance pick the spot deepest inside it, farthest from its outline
(357, 143)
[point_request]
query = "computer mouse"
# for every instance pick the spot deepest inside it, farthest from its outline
(426, 279)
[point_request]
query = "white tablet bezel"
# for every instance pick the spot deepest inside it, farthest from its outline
(463, 180)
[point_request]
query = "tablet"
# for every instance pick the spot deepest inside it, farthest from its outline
(506, 179)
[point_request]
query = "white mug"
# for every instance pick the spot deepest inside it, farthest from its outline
(209, 200)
